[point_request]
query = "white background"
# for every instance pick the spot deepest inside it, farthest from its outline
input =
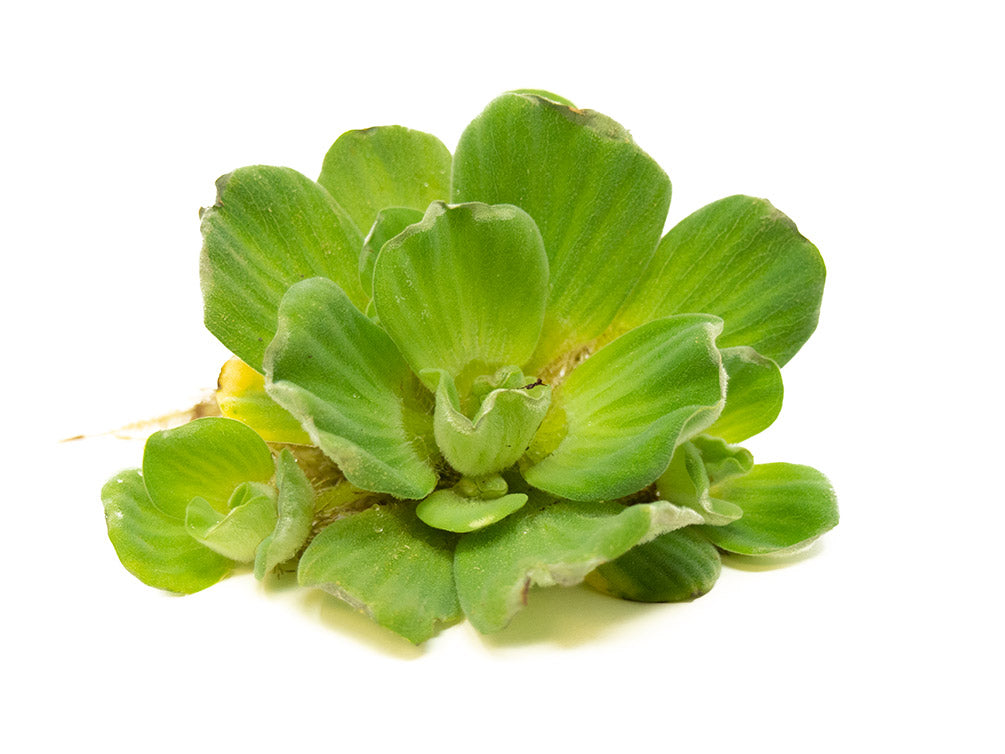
(876, 126)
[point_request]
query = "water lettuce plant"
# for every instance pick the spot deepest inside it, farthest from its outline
(459, 376)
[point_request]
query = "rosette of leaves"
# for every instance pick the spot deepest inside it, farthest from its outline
(512, 376)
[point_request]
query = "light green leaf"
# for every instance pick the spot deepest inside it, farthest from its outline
(269, 228)
(686, 483)
(740, 259)
(676, 567)
(237, 533)
(753, 395)
(295, 508)
(385, 166)
(616, 420)
(205, 458)
(599, 201)
(497, 435)
(389, 223)
(722, 460)
(241, 395)
(464, 290)
(546, 544)
(389, 565)
(784, 506)
(154, 546)
(341, 376)
(446, 509)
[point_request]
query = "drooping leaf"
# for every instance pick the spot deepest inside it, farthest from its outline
(753, 395)
(241, 395)
(446, 509)
(499, 432)
(740, 259)
(341, 376)
(236, 533)
(464, 290)
(385, 166)
(295, 508)
(389, 565)
(686, 482)
(616, 420)
(205, 458)
(154, 546)
(389, 223)
(599, 201)
(548, 543)
(270, 227)
(784, 506)
(675, 567)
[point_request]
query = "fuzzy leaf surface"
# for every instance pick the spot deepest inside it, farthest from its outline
(753, 395)
(389, 223)
(295, 510)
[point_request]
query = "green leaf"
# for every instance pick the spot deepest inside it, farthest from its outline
(385, 166)
(154, 546)
(686, 483)
(446, 509)
(676, 567)
(389, 223)
(269, 228)
(546, 544)
(499, 432)
(389, 565)
(237, 533)
(295, 508)
(784, 506)
(599, 201)
(241, 395)
(722, 460)
(753, 395)
(205, 458)
(740, 259)
(464, 290)
(341, 376)
(616, 420)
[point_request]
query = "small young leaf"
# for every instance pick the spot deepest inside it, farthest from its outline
(388, 564)
(295, 507)
(615, 421)
(206, 458)
(154, 546)
(237, 533)
(784, 506)
(241, 395)
(676, 567)
(686, 483)
(385, 166)
(722, 460)
(445, 509)
(753, 395)
(269, 228)
(341, 376)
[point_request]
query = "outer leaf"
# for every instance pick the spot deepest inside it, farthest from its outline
(464, 290)
(295, 510)
(599, 201)
(241, 395)
(614, 423)
(388, 564)
(753, 395)
(447, 510)
(269, 228)
(740, 259)
(154, 546)
(548, 544)
(205, 458)
(341, 376)
(237, 533)
(784, 506)
(385, 166)
(676, 567)
(389, 223)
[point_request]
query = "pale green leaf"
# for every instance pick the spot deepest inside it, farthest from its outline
(236, 533)
(295, 508)
(740, 259)
(205, 458)
(341, 376)
(389, 565)
(446, 509)
(753, 395)
(784, 506)
(686, 482)
(616, 420)
(241, 395)
(154, 546)
(464, 290)
(599, 201)
(722, 460)
(385, 166)
(549, 543)
(389, 223)
(676, 567)
(270, 227)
